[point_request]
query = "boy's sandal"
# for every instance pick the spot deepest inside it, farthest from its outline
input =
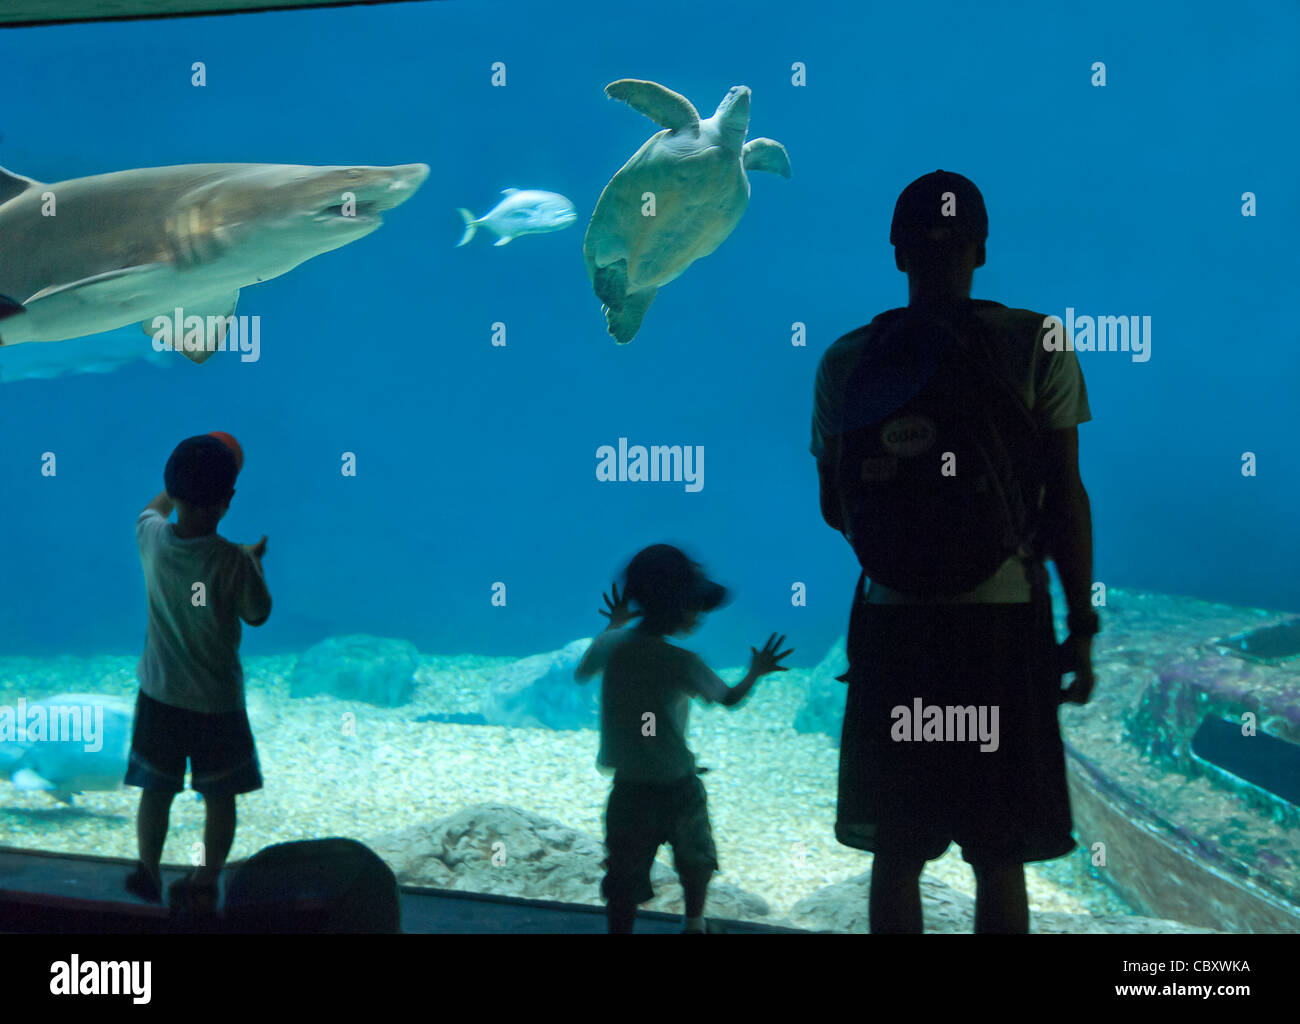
(142, 884)
(186, 897)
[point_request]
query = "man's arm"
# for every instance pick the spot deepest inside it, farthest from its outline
(1067, 515)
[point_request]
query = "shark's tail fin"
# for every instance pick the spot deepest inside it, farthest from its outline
(471, 226)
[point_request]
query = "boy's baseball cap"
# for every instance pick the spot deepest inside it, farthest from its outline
(232, 444)
(661, 576)
(919, 218)
(201, 471)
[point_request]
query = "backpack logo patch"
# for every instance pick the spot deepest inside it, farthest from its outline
(908, 436)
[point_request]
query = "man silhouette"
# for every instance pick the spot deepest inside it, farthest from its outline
(948, 633)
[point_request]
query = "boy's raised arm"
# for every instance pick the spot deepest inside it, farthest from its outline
(709, 684)
(162, 504)
(595, 656)
(617, 612)
(255, 595)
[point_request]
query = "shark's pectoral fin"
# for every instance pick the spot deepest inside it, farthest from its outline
(115, 288)
(91, 297)
(766, 155)
(196, 340)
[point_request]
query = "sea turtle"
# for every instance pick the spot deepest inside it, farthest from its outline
(676, 200)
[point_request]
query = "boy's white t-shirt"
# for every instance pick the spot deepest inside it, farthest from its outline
(644, 675)
(191, 651)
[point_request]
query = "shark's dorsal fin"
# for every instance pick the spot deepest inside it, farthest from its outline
(13, 185)
(509, 191)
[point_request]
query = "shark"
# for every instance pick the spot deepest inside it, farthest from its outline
(88, 255)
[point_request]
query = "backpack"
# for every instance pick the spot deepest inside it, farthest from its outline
(923, 387)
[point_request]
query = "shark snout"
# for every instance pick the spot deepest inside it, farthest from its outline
(395, 185)
(353, 199)
(372, 189)
(412, 175)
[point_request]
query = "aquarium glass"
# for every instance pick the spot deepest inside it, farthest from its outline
(440, 441)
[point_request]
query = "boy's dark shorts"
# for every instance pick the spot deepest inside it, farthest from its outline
(912, 799)
(641, 817)
(220, 749)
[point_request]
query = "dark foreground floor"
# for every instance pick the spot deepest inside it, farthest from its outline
(63, 893)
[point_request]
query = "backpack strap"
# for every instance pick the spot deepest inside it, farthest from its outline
(973, 341)
(968, 327)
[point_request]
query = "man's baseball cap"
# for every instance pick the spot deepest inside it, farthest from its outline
(919, 213)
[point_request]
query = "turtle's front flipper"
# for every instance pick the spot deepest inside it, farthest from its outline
(766, 155)
(624, 323)
(663, 106)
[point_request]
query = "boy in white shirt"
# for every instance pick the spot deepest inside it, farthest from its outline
(191, 700)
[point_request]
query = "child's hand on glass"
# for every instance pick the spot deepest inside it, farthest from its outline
(618, 613)
(768, 660)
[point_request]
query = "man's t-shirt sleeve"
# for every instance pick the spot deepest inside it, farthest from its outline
(1061, 399)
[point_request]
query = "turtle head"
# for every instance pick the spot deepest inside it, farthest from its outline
(732, 115)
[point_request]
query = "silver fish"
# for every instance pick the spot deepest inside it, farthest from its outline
(526, 212)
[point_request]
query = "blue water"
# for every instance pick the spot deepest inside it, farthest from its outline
(476, 464)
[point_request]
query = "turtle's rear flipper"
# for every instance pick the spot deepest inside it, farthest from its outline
(625, 322)
(610, 284)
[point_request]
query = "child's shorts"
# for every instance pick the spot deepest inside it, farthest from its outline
(641, 817)
(219, 747)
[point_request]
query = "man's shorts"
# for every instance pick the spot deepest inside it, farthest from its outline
(219, 747)
(642, 816)
(912, 798)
